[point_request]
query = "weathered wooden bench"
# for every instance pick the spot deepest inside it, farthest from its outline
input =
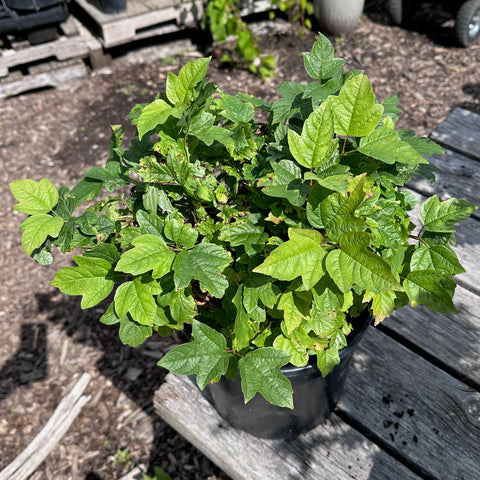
(411, 405)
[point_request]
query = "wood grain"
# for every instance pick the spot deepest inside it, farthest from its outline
(333, 451)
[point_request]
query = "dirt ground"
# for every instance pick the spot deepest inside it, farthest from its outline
(47, 341)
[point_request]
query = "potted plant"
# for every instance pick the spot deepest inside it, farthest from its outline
(269, 228)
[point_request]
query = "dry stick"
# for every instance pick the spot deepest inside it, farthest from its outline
(39, 448)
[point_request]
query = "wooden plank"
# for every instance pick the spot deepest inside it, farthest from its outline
(453, 339)
(59, 75)
(333, 451)
(63, 48)
(459, 177)
(58, 424)
(460, 132)
(148, 18)
(419, 411)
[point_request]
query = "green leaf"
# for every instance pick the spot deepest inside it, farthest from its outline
(150, 223)
(154, 114)
(315, 145)
(285, 182)
(291, 102)
(327, 360)
(149, 253)
(183, 234)
(259, 288)
(202, 127)
(180, 88)
(260, 372)
(244, 328)
(321, 63)
(132, 333)
(136, 298)
(430, 288)
(182, 307)
(204, 262)
(205, 356)
(383, 304)
(34, 197)
(436, 257)
(298, 353)
(336, 211)
(354, 109)
(93, 278)
(441, 217)
(386, 145)
(353, 263)
(107, 251)
(301, 255)
(37, 228)
(243, 232)
(235, 109)
(423, 145)
(292, 316)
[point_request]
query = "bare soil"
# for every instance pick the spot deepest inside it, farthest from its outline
(47, 341)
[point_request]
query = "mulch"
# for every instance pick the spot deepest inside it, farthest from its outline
(47, 341)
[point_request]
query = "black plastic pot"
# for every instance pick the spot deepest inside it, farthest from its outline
(314, 397)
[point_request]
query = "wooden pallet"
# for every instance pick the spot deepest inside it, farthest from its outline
(49, 74)
(71, 44)
(147, 18)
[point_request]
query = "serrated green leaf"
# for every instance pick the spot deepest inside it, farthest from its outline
(354, 109)
(243, 232)
(316, 144)
(260, 373)
(291, 102)
(204, 262)
(301, 255)
(298, 353)
(321, 63)
(441, 217)
(34, 197)
(149, 252)
(205, 356)
(150, 223)
(154, 114)
(353, 263)
(336, 211)
(423, 145)
(244, 328)
(180, 88)
(259, 288)
(327, 360)
(235, 109)
(202, 126)
(430, 288)
(109, 317)
(136, 298)
(93, 279)
(37, 228)
(182, 307)
(292, 316)
(285, 182)
(383, 304)
(386, 145)
(107, 251)
(183, 234)
(132, 333)
(436, 257)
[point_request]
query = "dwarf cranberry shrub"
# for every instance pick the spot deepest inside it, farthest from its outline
(267, 236)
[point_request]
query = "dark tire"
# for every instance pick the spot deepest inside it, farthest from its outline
(467, 23)
(400, 11)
